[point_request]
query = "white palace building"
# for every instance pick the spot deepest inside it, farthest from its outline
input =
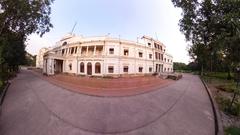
(106, 56)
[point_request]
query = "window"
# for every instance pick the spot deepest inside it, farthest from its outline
(110, 69)
(111, 50)
(125, 52)
(140, 69)
(72, 50)
(75, 50)
(63, 51)
(149, 44)
(125, 69)
(82, 67)
(156, 55)
(98, 68)
(150, 56)
(70, 66)
(140, 54)
(64, 43)
(150, 69)
(165, 59)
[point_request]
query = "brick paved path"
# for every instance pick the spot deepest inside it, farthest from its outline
(36, 107)
(116, 87)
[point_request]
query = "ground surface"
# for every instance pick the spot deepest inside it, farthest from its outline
(35, 106)
(115, 87)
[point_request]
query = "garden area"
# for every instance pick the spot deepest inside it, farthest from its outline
(226, 93)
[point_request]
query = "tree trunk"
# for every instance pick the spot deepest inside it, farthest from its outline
(201, 73)
(229, 73)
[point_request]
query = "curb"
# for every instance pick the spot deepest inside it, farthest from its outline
(4, 93)
(216, 113)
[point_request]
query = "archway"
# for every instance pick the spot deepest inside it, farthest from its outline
(97, 68)
(89, 68)
(82, 67)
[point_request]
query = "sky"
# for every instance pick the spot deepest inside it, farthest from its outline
(127, 19)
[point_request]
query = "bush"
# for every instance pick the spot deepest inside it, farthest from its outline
(224, 104)
(232, 131)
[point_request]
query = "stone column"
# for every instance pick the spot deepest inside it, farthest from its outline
(87, 51)
(94, 52)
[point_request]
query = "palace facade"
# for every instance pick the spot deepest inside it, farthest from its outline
(107, 56)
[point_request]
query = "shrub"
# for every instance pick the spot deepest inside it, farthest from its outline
(224, 104)
(232, 131)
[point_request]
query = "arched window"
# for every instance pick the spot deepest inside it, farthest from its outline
(82, 67)
(97, 68)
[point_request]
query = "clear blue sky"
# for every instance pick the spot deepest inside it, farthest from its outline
(128, 18)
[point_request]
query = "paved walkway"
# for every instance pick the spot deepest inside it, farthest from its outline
(36, 107)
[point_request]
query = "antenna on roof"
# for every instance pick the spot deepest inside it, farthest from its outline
(156, 35)
(73, 28)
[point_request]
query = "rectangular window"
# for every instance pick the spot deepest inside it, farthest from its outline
(72, 50)
(75, 50)
(111, 50)
(110, 69)
(150, 56)
(156, 55)
(63, 51)
(125, 69)
(125, 52)
(140, 69)
(140, 54)
(150, 69)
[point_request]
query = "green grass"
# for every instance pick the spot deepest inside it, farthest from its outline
(228, 87)
(219, 75)
(232, 131)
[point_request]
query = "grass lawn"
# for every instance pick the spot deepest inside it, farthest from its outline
(219, 75)
(232, 131)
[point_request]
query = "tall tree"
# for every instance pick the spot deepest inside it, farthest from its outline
(212, 28)
(18, 19)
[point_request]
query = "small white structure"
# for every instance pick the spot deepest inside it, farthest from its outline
(106, 56)
(39, 58)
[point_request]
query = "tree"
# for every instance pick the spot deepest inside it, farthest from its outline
(25, 16)
(212, 28)
(179, 66)
(18, 19)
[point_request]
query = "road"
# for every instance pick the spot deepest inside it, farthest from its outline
(34, 106)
